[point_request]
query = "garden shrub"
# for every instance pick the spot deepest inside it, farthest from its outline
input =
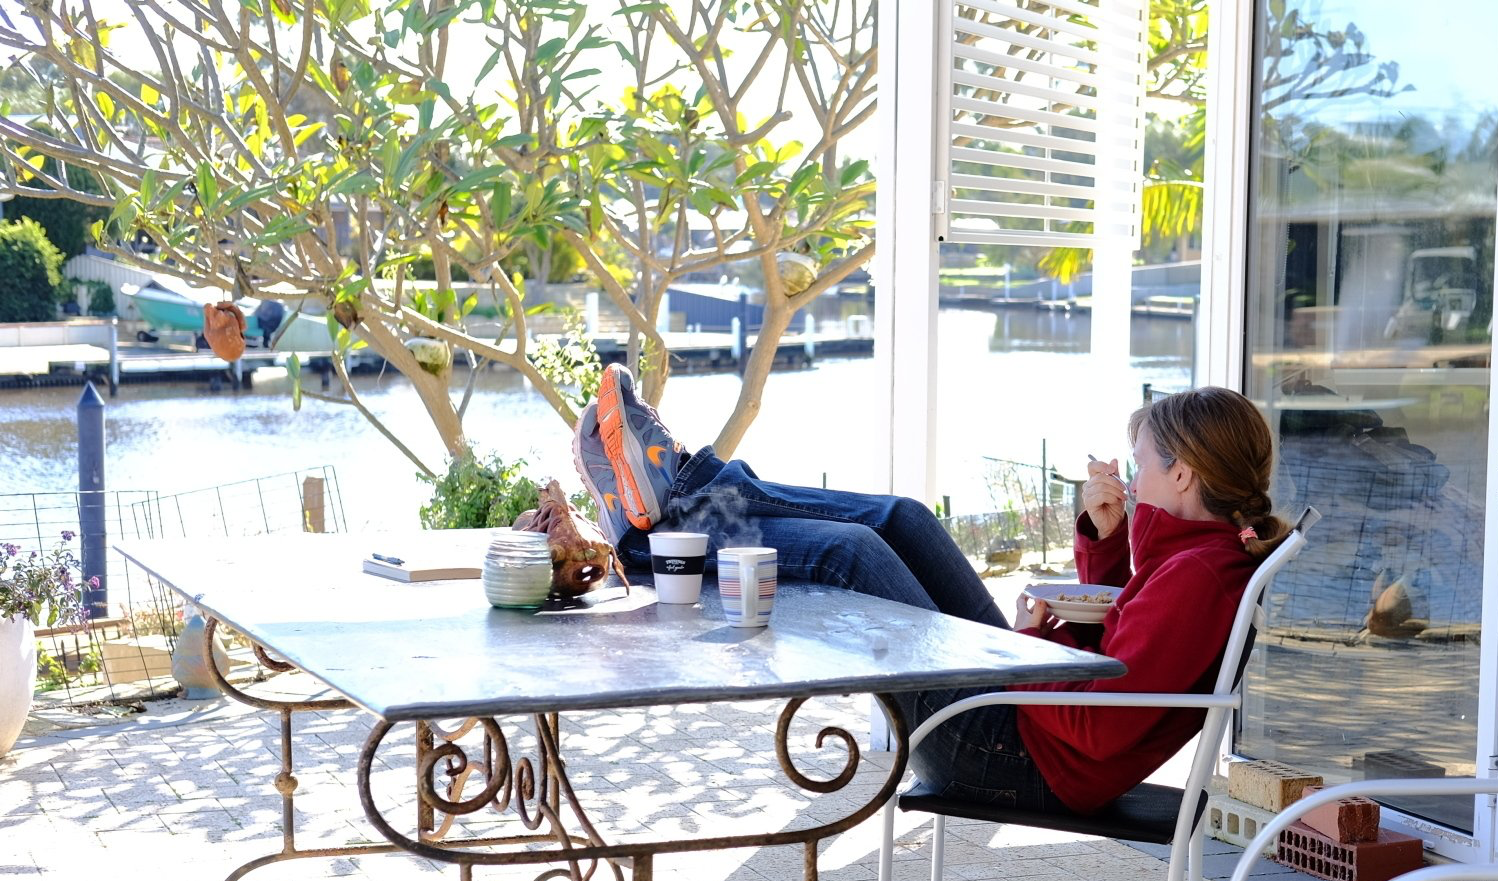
(479, 493)
(66, 222)
(100, 295)
(30, 273)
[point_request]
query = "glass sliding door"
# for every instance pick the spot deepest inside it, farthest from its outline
(1369, 343)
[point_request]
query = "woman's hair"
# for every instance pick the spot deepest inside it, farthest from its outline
(1221, 436)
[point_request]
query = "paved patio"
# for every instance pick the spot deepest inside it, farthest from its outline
(185, 792)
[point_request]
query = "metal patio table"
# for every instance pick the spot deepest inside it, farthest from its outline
(431, 653)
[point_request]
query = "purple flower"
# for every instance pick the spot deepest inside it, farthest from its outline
(93, 581)
(10, 549)
(69, 535)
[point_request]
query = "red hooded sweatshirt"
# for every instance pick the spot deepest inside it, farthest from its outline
(1169, 627)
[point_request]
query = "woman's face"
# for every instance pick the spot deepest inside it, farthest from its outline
(1156, 481)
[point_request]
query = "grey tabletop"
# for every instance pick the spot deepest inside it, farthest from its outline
(438, 649)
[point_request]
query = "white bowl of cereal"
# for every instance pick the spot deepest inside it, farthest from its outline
(1079, 603)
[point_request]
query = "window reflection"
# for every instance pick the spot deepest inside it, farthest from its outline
(1370, 329)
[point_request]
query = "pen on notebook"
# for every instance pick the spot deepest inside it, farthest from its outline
(394, 561)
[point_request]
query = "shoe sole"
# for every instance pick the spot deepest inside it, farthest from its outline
(623, 450)
(585, 472)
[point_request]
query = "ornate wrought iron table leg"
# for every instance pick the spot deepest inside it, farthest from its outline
(536, 795)
(516, 786)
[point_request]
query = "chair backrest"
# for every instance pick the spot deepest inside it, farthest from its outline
(1240, 638)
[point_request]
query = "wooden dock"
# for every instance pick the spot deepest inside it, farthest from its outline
(71, 363)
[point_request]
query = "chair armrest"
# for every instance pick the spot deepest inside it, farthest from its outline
(1077, 699)
(1452, 873)
(1411, 786)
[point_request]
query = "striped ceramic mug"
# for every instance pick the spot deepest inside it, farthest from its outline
(739, 566)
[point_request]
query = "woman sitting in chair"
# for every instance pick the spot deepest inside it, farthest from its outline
(1200, 524)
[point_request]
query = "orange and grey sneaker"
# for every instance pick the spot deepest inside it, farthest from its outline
(644, 454)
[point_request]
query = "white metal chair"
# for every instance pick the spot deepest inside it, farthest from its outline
(1372, 788)
(1148, 812)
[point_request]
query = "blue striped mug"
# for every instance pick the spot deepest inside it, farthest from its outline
(753, 566)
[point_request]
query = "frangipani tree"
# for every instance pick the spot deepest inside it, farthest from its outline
(309, 150)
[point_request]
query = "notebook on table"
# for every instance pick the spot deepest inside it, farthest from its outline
(408, 570)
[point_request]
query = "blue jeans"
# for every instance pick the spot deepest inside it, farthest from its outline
(882, 546)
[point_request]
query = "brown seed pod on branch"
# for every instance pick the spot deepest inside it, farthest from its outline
(223, 327)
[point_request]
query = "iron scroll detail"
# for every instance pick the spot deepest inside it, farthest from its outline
(539, 792)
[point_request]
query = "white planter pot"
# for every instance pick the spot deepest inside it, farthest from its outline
(17, 677)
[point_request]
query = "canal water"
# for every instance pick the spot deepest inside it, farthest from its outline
(176, 437)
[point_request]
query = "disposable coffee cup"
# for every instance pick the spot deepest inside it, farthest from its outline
(678, 558)
(747, 580)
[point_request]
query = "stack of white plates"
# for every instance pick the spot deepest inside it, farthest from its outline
(517, 569)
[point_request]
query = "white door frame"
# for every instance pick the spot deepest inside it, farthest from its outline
(905, 262)
(1222, 320)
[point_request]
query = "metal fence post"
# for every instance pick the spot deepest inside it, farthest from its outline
(91, 503)
(1045, 506)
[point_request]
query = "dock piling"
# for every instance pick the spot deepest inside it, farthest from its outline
(91, 519)
(741, 333)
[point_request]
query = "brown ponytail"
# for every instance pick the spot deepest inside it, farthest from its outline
(1226, 442)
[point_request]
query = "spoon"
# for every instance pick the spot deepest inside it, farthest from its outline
(1128, 493)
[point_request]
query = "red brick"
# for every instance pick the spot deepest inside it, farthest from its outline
(1392, 854)
(1346, 820)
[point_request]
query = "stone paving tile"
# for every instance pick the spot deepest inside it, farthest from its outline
(194, 801)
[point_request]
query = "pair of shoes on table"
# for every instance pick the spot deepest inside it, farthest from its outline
(625, 456)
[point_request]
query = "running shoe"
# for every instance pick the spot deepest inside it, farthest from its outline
(644, 454)
(598, 475)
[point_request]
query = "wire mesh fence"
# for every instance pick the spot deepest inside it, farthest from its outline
(124, 652)
(1034, 509)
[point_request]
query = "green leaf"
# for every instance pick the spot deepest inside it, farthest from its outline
(801, 179)
(489, 65)
(294, 371)
(853, 172)
(207, 185)
(472, 181)
(500, 207)
(248, 196)
(754, 172)
(469, 305)
(549, 50)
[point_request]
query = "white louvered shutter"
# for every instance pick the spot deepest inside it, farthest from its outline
(1040, 120)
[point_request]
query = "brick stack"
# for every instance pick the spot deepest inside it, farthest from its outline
(1256, 791)
(1342, 841)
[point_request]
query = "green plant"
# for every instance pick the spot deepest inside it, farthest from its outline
(42, 587)
(477, 493)
(30, 273)
(571, 362)
(100, 295)
(50, 672)
(66, 222)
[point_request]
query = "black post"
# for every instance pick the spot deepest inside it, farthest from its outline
(743, 332)
(91, 508)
